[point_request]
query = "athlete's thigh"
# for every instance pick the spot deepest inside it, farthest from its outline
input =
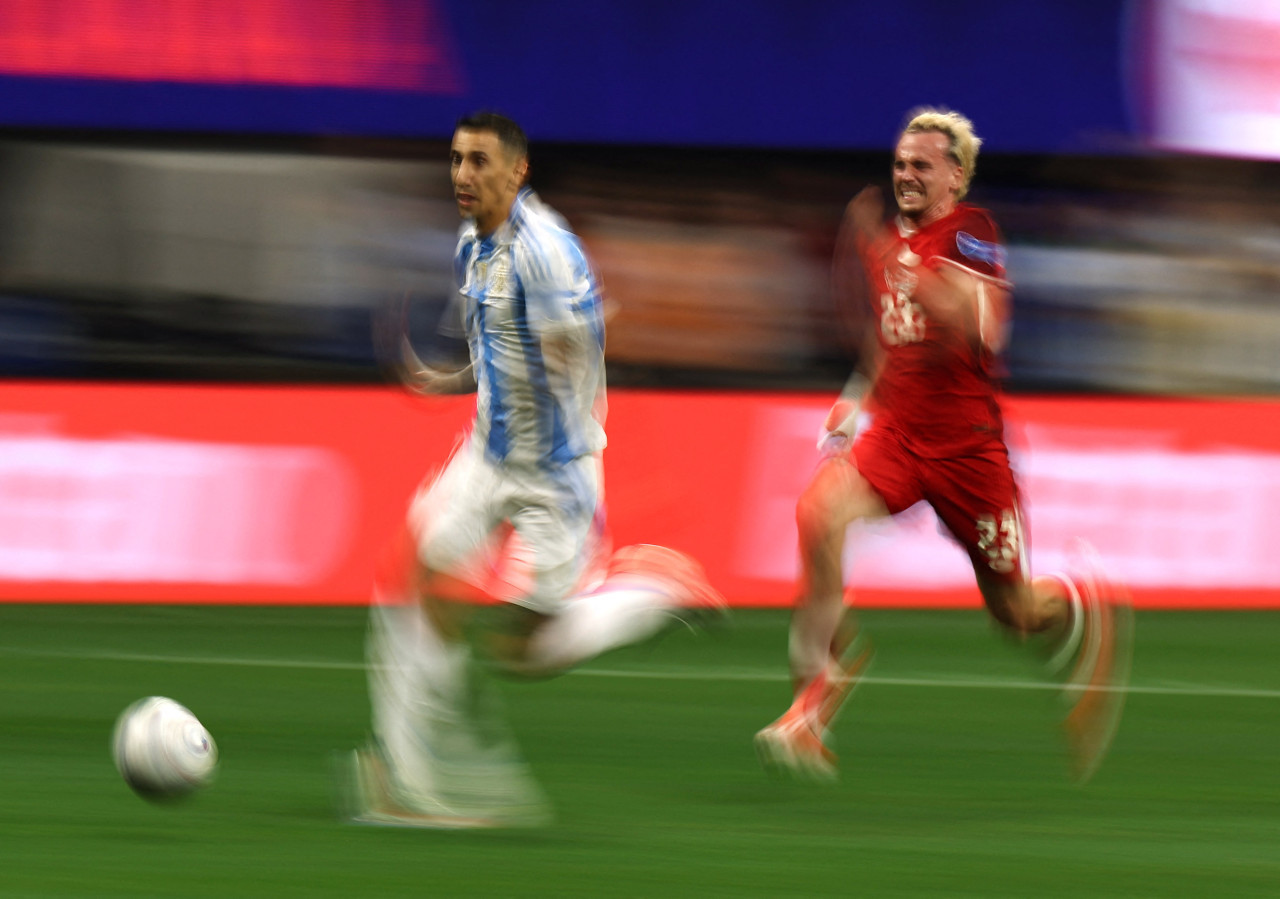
(553, 515)
(862, 485)
(976, 499)
(836, 496)
(454, 516)
(889, 469)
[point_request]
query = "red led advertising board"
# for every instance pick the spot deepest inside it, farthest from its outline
(155, 493)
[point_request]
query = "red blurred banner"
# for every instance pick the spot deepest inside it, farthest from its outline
(132, 493)
(384, 44)
(1210, 75)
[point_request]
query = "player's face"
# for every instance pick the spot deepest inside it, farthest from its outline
(925, 177)
(486, 177)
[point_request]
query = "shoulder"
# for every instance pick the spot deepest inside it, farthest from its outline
(975, 222)
(542, 243)
(970, 238)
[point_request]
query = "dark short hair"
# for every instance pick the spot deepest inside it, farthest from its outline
(510, 135)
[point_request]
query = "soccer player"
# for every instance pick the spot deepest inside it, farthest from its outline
(519, 505)
(921, 423)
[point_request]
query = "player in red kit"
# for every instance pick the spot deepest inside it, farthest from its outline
(922, 423)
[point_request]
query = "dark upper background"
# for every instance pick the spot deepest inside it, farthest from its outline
(205, 190)
(812, 74)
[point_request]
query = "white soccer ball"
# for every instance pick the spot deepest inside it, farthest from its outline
(162, 750)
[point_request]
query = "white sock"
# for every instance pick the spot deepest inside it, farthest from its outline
(446, 753)
(596, 623)
(1070, 641)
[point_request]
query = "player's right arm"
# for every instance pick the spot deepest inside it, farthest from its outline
(862, 231)
(841, 424)
(425, 380)
(842, 421)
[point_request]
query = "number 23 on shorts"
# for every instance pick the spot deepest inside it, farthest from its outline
(1000, 541)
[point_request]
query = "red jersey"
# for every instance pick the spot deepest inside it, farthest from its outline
(935, 384)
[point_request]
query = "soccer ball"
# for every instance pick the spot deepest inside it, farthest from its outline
(162, 750)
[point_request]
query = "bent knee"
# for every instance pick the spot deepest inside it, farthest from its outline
(836, 496)
(815, 515)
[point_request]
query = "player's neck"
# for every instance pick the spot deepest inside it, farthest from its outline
(487, 228)
(927, 217)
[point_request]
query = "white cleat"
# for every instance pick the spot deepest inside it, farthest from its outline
(368, 799)
(790, 746)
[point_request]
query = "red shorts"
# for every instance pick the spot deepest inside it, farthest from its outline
(974, 495)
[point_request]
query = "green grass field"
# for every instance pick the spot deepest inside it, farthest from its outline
(953, 781)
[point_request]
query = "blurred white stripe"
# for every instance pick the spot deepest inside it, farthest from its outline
(770, 675)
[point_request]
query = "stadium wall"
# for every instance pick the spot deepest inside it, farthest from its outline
(251, 494)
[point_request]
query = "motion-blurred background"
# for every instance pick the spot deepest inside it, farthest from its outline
(228, 193)
(200, 190)
(205, 206)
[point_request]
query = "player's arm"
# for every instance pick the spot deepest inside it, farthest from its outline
(862, 231)
(428, 381)
(564, 308)
(963, 286)
(399, 359)
(841, 423)
(970, 302)
(564, 349)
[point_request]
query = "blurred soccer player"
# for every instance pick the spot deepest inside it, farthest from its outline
(522, 491)
(921, 422)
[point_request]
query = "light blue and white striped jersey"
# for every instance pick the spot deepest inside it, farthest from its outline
(529, 281)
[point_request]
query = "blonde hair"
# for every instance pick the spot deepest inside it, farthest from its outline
(962, 143)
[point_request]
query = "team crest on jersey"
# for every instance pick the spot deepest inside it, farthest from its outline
(982, 250)
(500, 277)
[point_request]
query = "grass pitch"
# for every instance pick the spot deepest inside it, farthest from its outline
(953, 776)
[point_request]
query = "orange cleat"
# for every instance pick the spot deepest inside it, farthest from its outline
(696, 603)
(1098, 678)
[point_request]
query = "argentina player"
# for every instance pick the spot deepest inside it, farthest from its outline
(521, 495)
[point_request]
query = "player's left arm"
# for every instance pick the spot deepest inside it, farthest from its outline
(427, 380)
(565, 307)
(395, 349)
(564, 349)
(970, 302)
(963, 285)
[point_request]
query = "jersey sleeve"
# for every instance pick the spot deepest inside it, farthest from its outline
(975, 245)
(560, 290)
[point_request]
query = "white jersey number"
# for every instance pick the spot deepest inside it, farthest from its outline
(1000, 541)
(901, 320)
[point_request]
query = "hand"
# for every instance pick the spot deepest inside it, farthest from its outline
(427, 381)
(834, 441)
(835, 445)
(416, 374)
(865, 214)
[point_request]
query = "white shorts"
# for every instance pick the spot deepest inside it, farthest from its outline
(458, 521)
